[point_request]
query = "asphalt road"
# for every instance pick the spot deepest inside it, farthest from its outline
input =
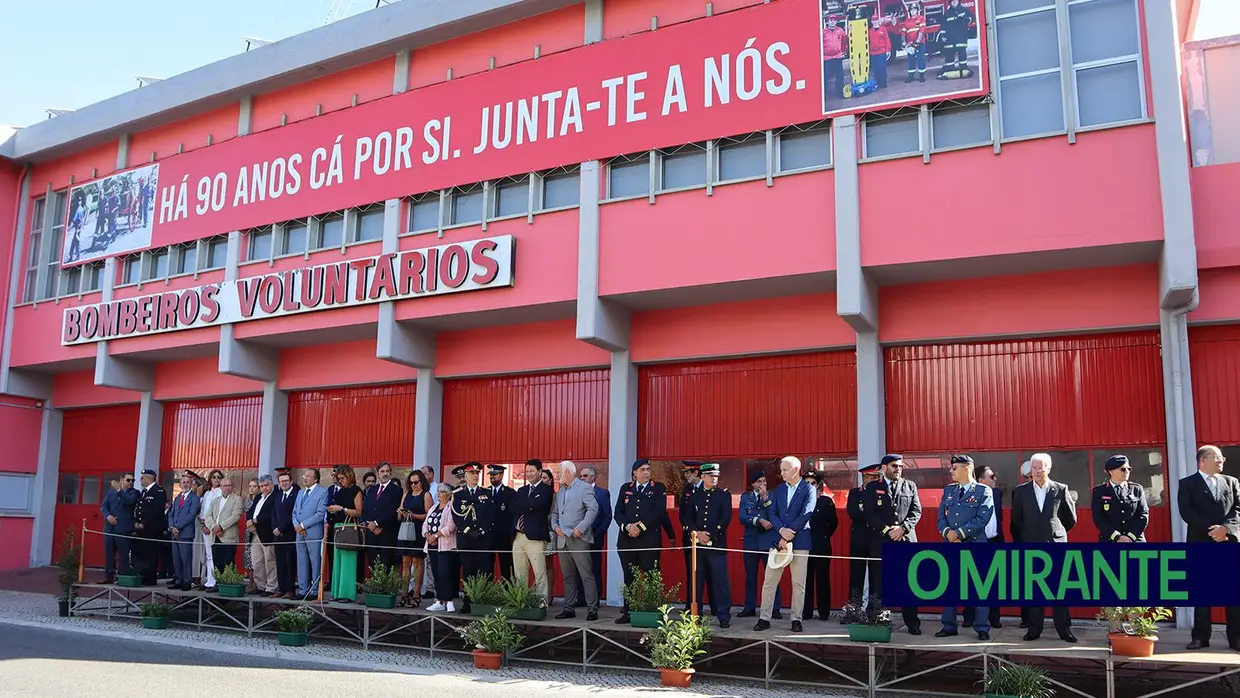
(49, 662)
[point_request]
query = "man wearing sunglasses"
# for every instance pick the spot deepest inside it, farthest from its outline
(964, 515)
(1119, 507)
(892, 509)
(117, 510)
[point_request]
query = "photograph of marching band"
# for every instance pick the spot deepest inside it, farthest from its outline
(111, 215)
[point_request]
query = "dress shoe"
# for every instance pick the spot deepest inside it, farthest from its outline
(592, 615)
(173, 585)
(1068, 638)
(1032, 635)
(742, 614)
(997, 626)
(796, 626)
(623, 620)
(579, 604)
(566, 613)
(777, 616)
(762, 625)
(983, 636)
(1023, 625)
(725, 624)
(187, 587)
(915, 630)
(945, 633)
(106, 580)
(1197, 645)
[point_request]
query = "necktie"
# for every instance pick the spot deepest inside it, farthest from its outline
(1213, 485)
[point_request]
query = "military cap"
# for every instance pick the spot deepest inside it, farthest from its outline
(640, 462)
(1116, 461)
(472, 466)
(891, 458)
(710, 469)
(494, 469)
(960, 458)
(458, 471)
(150, 472)
(691, 464)
(755, 475)
(872, 468)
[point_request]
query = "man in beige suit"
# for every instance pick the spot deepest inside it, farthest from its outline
(223, 519)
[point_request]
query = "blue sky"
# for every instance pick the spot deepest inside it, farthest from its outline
(89, 50)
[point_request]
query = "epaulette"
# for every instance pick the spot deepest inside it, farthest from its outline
(458, 490)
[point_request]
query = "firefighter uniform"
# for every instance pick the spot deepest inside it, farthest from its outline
(955, 43)
(859, 542)
(473, 511)
(150, 525)
(503, 531)
(643, 506)
(914, 32)
(1120, 509)
(689, 467)
(710, 511)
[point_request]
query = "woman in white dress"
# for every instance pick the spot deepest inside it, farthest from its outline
(205, 538)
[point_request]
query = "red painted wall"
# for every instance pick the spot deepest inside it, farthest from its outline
(509, 419)
(634, 16)
(21, 423)
(347, 363)
(10, 192)
(1214, 357)
(1215, 210)
(354, 426)
(1219, 295)
(99, 439)
(16, 531)
(183, 136)
(207, 434)
(329, 93)
(540, 346)
(195, 378)
(78, 389)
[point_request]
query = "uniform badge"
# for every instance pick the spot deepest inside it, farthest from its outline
(1106, 507)
(947, 511)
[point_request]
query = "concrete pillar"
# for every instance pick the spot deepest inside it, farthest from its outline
(599, 322)
(236, 357)
(428, 422)
(594, 21)
(621, 452)
(871, 399)
(245, 115)
(150, 434)
(46, 482)
(274, 434)
(9, 384)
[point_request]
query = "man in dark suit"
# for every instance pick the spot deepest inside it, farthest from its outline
(1210, 504)
(182, 521)
(1043, 512)
(1119, 507)
(473, 510)
(285, 536)
(708, 514)
(531, 512)
(502, 533)
(994, 534)
(823, 524)
(260, 520)
(640, 510)
(602, 522)
(892, 509)
(117, 510)
(859, 541)
(691, 469)
(379, 506)
(150, 524)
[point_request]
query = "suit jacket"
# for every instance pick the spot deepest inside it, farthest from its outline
(710, 511)
(823, 524)
(310, 511)
(998, 500)
(119, 503)
(474, 514)
(647, 510)
(225, 512)
(184, 515)
(859, 528)
(504, 530)
(149, 511)
(683, 503)
(603, 521)
(753, 512)
(534, 503)
(967, 513)
(1116, 516)
(380, 506)
(1048, 525)
(575, 509)
(264, 521)
(795, 515)
(1200, 509)
(283, 514)
(885, 509)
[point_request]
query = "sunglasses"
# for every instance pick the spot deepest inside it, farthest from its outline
(1125, 469)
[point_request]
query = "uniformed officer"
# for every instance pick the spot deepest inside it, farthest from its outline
(964, 514)
(1120, 510)
(892, 508)
(150, 525)
(640, 509)
(473, 511)
(759, 536)
(709, 512)
(502, 533)
(822, 526)
(693, 482)
(859, 541)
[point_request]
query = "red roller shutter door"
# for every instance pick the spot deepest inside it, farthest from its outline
(97, 444)
(1079, 398)
(747, 413)
(358, 426)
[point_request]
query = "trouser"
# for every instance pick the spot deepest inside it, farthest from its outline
(223, 555)
(445, 567)
(640, 552)
(911, 620)
(381, 548)
(575, 563)
(770, 584)
(993, 616)
(263, 557)
(309, 562)
(688, 551)
(208, 561)
(916, 61)
(286, 563)
(502, 561)
(1202, 625)
(878, 68)
(978, 618)
(596, 565)
(473, 562)
(115, 554)
(146, 558)
(818, 586)
(834, 68)
(1037, 619)
(955, 56)
(163, 548)
(183, 561)
(713, 574)
(857, 569)
(755, 561)
(531, 556)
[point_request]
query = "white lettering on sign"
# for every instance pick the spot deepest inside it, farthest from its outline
(454, 268)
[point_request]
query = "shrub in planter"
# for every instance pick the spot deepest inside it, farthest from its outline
(293, 624)
(155, 616)
(1010, 680)
(485, 594)
(646, 596)
(1133, 630)
(675, 644)
(523, 601)
(869, 624)
(230, 582)
(67, 571)
(492, 636)
(383, 585)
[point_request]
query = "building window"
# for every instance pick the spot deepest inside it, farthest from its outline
(1030, 84)
(467, 205)
(187, 258)
(217, 253)
(91, 275)
(1106, 51)
(628, 176)
(683, 167)
(560, 190)
(295, 235)
(54, 243)
(156, 264)
(331, 231)
(33, 255)
(370, 222)
(130, 269)
(743, 157)
(259, 243)
(802, 149)
(960, 126)
(424, 212)
(898, 134)
(512, 197)
(70, 281)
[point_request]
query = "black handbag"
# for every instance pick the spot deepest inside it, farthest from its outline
(349, 535)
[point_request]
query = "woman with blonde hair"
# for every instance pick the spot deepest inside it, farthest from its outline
(251, 493)
(346, 505)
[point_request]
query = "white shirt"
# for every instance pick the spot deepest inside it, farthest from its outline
(262, 499)
(809, 504)
(308, 490)
(1039, 494)
(992, 526)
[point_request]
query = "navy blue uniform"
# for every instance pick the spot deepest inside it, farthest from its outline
(683, 507)
(474, 514)
(504, 530)
(149, 512)
(966, 510)
(644, 506)
(1120, 511)
(710, 511)
(860, 545)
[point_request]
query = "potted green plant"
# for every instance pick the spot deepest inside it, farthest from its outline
(869, 624)
(384, 583)
(1133, 630)
(1010, 680)
(485, 595)
(522, 601)
(674, 644)
(155, 616)
(129, 581)
(646, 596)
(292, 624)
(230, 582)
(492, 636)
(67, 572)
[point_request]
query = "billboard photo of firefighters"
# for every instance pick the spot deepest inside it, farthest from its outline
(879, 54)
(111, 216)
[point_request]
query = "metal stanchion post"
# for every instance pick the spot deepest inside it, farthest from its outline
(693, 605)
(322, 563)
(82, 554)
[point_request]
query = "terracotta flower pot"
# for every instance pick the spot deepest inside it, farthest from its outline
(1131, 645)
(488, 660)
(676, 678)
